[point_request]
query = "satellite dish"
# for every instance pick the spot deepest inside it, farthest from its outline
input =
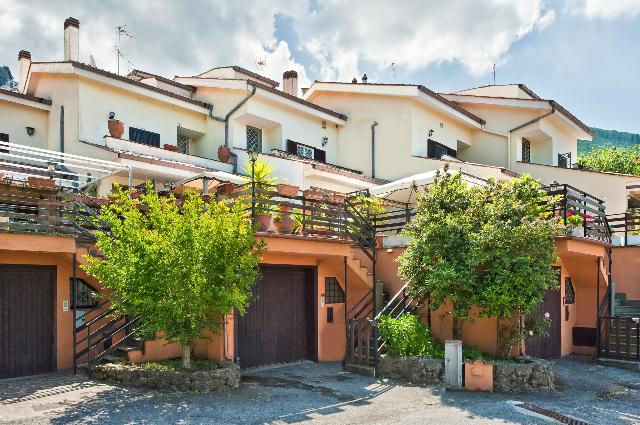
(92, 61)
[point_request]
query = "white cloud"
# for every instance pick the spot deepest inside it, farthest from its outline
(606, 9)
(415, 34)
(186, 38)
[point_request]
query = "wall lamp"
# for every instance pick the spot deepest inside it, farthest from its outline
(31, 131)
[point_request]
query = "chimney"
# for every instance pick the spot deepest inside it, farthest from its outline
(365, 79)
(71, 39)
(24, 62)
(290, 83)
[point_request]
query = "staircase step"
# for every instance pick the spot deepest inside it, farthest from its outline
(360, 369)
(110, 358)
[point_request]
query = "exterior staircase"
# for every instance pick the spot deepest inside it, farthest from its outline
(624, 307)
(361, 265)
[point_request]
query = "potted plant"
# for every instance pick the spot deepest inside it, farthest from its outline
(263, 183)
(574, 225)
(336, 198)
(287, 190)
(41, 182)
(116, 127)
(224, 153)
(224, 188)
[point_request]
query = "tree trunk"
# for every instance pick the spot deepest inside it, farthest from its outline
(186, 356)
(508, 335)
(457, 328)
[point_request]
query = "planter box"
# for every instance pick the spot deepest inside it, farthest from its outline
(172, 148)
(42, 183)
(418, 370)
(314, 194)
(224, 378)
(478, 375)
(287, 190)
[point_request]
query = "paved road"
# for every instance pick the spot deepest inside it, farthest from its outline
(319, 393)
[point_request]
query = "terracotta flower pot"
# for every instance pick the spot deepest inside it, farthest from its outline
(287, 190)
(284, 224)
(224, 188)
(116, 128)
(42, 183)
(224, 153)
(336, 198)
(263, 221)
(172, 148)
(314, 194)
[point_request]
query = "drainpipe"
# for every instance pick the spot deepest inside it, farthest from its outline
(61, 129)
(373, 148)
(225, 120)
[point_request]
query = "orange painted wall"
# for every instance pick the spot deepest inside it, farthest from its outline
(626, 271)
(60, 257)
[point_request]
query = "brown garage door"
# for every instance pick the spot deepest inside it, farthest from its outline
(279, 325)
(26, 320)
(550, 345)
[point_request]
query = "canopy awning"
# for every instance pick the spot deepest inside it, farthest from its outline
(209, 179)
(406, 189)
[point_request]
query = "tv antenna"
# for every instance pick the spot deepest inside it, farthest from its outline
(261, 63)
(494, 74)
(120, 31)
(393, 70)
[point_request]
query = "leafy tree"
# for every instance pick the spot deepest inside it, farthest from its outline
(490, 246)
(178, 267)
(613, 159)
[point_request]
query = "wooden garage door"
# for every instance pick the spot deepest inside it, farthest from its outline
(26, 320)
(550, 345)
(279, 325)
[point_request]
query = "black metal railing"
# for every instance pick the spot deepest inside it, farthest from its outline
(575, 202)
(625, 224)
(98, 332)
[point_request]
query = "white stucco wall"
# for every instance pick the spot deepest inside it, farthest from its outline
(15, 117)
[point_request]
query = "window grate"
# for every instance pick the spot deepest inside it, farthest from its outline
(145, 137)
(569, 292)
(438, 150)
(304, 151)
(526, 150)
(254, 139)
(183, 143)
(87, 296)
(333, 293)
(564, 160)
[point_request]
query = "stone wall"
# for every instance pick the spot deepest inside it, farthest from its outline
(418, 370)
(529, 376)
(225, 378)
(534, 375)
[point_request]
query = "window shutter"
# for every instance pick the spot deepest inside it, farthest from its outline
(4, 137)
(292, 147)
(431, 148)
(320, 155)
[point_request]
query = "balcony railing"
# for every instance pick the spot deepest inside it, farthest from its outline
(626, 225)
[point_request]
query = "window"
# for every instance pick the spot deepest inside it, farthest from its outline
(4, 137)
(564, 160)
(569, 292)
(437, 150)
(526, 150)
(87, 296)
(254, 139)
(145, 137)
(183, 143)
(306, 151)
(333, 293)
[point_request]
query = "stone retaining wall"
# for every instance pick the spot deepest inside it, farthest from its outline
(535, 375)
(530, 376)
(418, 370)
(225, 378)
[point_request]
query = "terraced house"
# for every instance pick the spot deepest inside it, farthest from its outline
(73, 130)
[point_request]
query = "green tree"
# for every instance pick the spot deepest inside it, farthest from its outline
(178, 267)
(613, 159)
(489, 246)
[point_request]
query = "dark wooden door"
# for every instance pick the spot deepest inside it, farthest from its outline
(550, 345)
(27, 322)
(278, 325)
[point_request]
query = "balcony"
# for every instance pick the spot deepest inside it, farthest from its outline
(127, 146)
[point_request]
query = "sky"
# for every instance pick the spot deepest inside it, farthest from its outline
(585, 54)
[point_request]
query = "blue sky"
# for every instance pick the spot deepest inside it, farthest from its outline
(584, 54)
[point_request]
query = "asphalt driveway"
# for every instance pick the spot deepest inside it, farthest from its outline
(320, 393)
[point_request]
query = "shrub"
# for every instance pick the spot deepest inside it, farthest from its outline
(407, 336)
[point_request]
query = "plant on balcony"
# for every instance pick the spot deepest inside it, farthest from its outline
(574, 222)
(180, 269)
(490, 246)
(261, 173)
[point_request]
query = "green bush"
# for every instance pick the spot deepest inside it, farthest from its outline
(407, 336)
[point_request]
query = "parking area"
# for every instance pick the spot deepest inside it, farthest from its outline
(321, 393)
